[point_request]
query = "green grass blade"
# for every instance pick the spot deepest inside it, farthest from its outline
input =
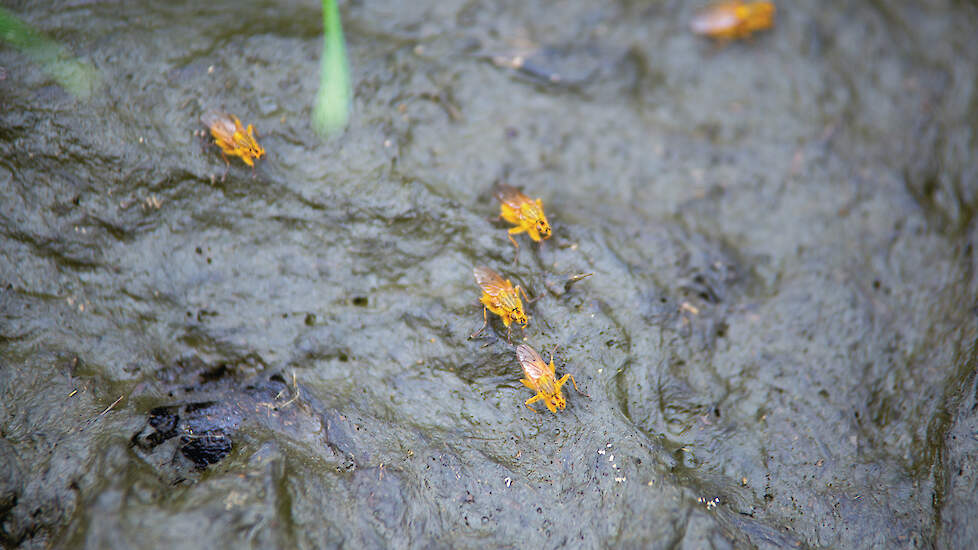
(78, 77)
(333, 102)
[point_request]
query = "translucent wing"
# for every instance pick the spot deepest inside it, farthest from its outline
(718, 19)
(510, 195)
(490, 281)
(218, 122)
(532, 363)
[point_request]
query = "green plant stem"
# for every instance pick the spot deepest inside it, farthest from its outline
(333, 101)
(76, 76)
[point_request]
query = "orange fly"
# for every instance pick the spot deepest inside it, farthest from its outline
(542, 378)
(232, 137)
(733, 19)
(526, 214)
(500, 297)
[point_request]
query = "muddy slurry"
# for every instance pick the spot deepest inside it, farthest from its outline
(776, 342)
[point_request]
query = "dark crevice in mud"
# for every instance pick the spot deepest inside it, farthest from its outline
(700, 283)
(70, 255)
(118, 231)
(962, 391)
(948, 196)
(493, 361)
(759, 535)
(622, 389)
(622, 336)
(933, 155)
(284, 508)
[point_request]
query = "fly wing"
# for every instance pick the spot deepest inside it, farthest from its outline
(510, 195)
(532, 363)
(718, 19)
(490, 281)
(219, 122)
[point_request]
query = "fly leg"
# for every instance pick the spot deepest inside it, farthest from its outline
(485, 321)
(204, 142)
(227, 165)
(574, 382)
(517, 245)
(563, 380)
(533, 399)
(528, 300)
(510, 233)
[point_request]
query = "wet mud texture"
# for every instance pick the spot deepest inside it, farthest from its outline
(778, 339)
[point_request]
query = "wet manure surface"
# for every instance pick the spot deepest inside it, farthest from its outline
(777, 341)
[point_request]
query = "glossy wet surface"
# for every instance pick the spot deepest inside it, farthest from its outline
(777, 341)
